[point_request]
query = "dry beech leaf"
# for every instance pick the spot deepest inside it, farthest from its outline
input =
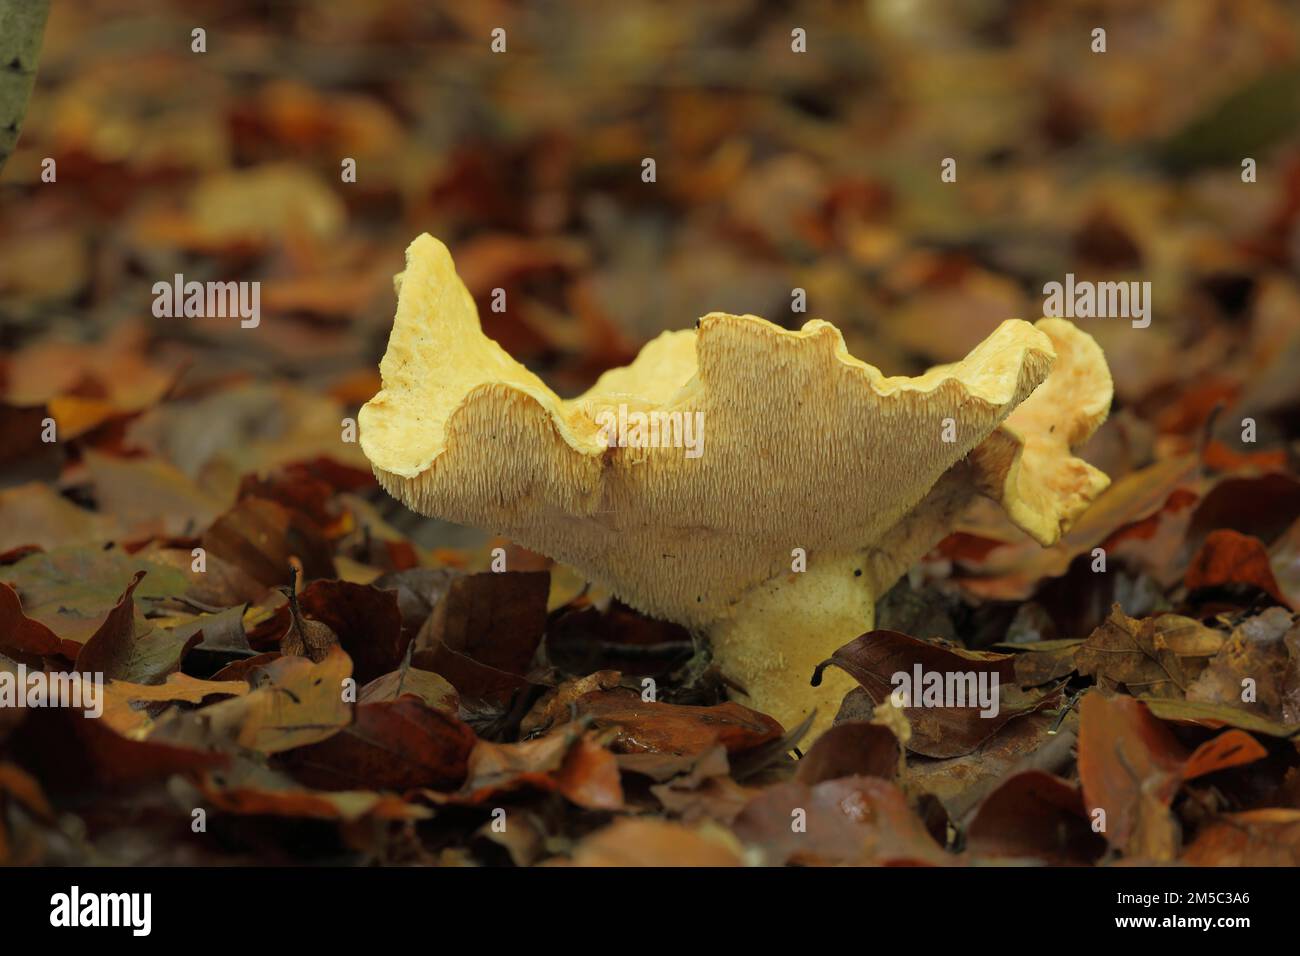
(946, 731)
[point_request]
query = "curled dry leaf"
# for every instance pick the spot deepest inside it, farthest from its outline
(433, 690)
(1131, 766)
(299, 703)
(852, 748)
(1228, 557)
(19, 634)
(127, 648)
(945, 730)
(1134, 655)
(306, 637)
(639, 726)
(121, 698)
(70, 590)
(1255, 669)
(567, 760)
(249, 789)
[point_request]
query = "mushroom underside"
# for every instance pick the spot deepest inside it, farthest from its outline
(799, 449)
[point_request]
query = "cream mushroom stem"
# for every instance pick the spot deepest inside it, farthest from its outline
(805, 446)
(779, 632)
(783, 629)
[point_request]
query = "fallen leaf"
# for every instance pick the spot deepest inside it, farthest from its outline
(852, 748)
(391, 745)
(1130, 766)
(566, 760)
(639, 726)
(946, 730)
(1269, 837)
(1252, 669)
(412, 682)
(1228, 557)
(69, 589)
(1133, 655)
(483, 633)
(127, 648)
(120, 698)
(248, 789)
(853, 820)
(19, 633)
(259, 536)
(1034, 816)
(300, 703)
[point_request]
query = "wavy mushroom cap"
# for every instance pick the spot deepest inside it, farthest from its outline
(803, 444)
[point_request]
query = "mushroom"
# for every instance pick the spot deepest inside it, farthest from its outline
(807, 455)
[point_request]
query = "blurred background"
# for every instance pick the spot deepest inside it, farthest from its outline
(776, 170)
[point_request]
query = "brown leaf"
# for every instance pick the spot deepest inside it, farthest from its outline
(616, 638)
(484, 632)
(1269, 837)
(251, 789)
(364, 618)
(305, 637)
(566, 760)
(1132, 655)
(1228, 557)
(260, 536)
(706, 791)
(640, 726)
(1038, 816)
(418, 592)
(70, 590)
(120, 698)
(244, 669)
(959, 783)
(1262, 507)
(852, 748)
(125, 648)
(36, 515)
(150, 496)
(1250, 671)
(392, 745)
(1215, 716)
(558, 704)
(70, 752)
(300, 703)
(20, 434)
(412, 682)
(938, 730)
(19, 634)
(1044, 662)
(1131, 767)
(853, 820)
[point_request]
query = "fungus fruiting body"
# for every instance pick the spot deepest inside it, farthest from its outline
(804, 449)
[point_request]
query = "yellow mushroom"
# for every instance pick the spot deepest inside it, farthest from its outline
(796, 452)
